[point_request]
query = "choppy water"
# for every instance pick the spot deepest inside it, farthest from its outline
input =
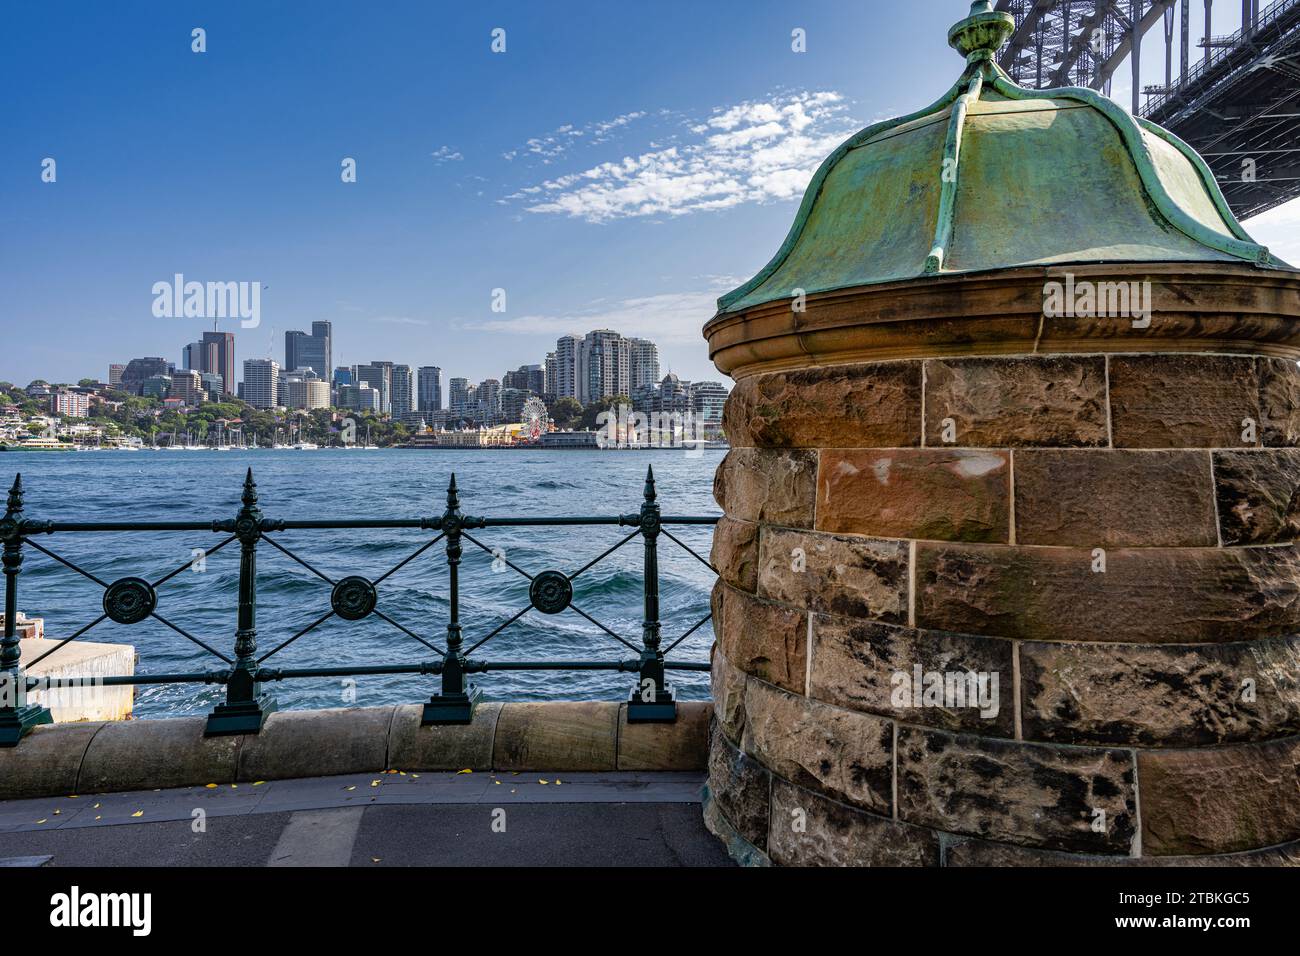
(185, 486)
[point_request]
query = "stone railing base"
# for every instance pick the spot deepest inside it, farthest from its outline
(102, 757)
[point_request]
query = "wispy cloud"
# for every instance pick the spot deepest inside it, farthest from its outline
(756, 151)
(399, 320)
(445, 154)
(555, 144)
(670, 317)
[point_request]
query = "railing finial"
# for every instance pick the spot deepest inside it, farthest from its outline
(15, 502)
(453, 499)
(650, 483)
(250, 489)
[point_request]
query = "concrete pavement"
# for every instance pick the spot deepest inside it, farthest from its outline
(376, 819)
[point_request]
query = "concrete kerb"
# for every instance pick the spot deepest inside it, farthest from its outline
(73, 758)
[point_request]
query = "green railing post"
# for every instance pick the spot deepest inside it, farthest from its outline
(246, 707)
(652, 699)
(456, 703)
(17, 716)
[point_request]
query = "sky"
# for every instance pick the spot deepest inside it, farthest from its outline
(618, 165)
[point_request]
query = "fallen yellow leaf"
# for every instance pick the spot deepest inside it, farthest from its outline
(353, 787)
(374, 783)
(40, 821)
(375, 859)
(210, 786)
(497, 782)
(95, 807)
(543, 782)
(258, 783)
(99, 818)
(138, 813)
(466, 770)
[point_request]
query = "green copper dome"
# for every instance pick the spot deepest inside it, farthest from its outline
(994, 176)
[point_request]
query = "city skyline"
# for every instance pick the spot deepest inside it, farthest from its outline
(610, 194)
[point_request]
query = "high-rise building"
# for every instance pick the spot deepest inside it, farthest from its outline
(602, 366)
(192, 357)
(379, 376)
(212, 386)
(69, 402)
(567, 348)
(403, 395)
(707, 399)
(512, 404)
(430, 389)
(643, 363)
(219, 357)
(529, 378)
(549, 392)
(302, 389)
(139, 370)
(458, 390)
(310, 350)
(489, 401)
(262, 382)
(156, 386)
(187, 385)
(115, 375)
(359, 398)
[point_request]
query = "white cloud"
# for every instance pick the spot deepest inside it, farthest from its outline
(445, 154)
(555, 144)
(757, 151)
(399, 320)
(1279, 229)
(667, 317)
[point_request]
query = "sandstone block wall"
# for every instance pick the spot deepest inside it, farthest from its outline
(1102, 545)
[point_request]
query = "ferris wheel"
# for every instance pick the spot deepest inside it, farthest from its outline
(535, 418)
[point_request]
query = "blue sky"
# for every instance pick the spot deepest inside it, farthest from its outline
(618, 166)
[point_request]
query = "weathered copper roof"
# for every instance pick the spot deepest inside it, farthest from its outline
(995, 176)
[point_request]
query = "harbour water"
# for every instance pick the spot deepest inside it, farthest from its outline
(158, 486)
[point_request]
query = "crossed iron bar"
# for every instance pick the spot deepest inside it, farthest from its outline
(130, 600)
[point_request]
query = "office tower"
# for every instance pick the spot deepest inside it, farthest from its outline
(643, 363)
(359, 398)
(219, 357)
(115, 375)
(602, 366)
(156, 386)
(548, 392)
(309, 350)
(403, 394)
(212, 386)
(567, 348)
(192, 357)
(137, 371)
(187, 385)
(379, 376)
(430, 388)
(262, 382)
(458, 396)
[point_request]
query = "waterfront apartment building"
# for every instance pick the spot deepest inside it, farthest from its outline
(70, 403)
(261, 386)
(429, 389)
(310, 350)
(567, 348)
(458, 396)
(642, 363)
(707, 399)
(403, 391)
(528, 378)
(551, 368)
(602, 366)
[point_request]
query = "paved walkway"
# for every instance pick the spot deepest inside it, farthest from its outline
(384, 819)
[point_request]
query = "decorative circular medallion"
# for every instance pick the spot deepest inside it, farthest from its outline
(353, 598)
(550, 592)
(129, 600)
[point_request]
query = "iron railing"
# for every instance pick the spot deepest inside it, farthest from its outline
(131, 600)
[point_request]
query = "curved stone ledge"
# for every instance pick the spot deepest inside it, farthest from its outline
(65, 759)
(1149, 595)
(807, 829)
(1196, 308)
(1220, 799)
(1159, 695)
(741, 787)
(728, 691)
(735, 553)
